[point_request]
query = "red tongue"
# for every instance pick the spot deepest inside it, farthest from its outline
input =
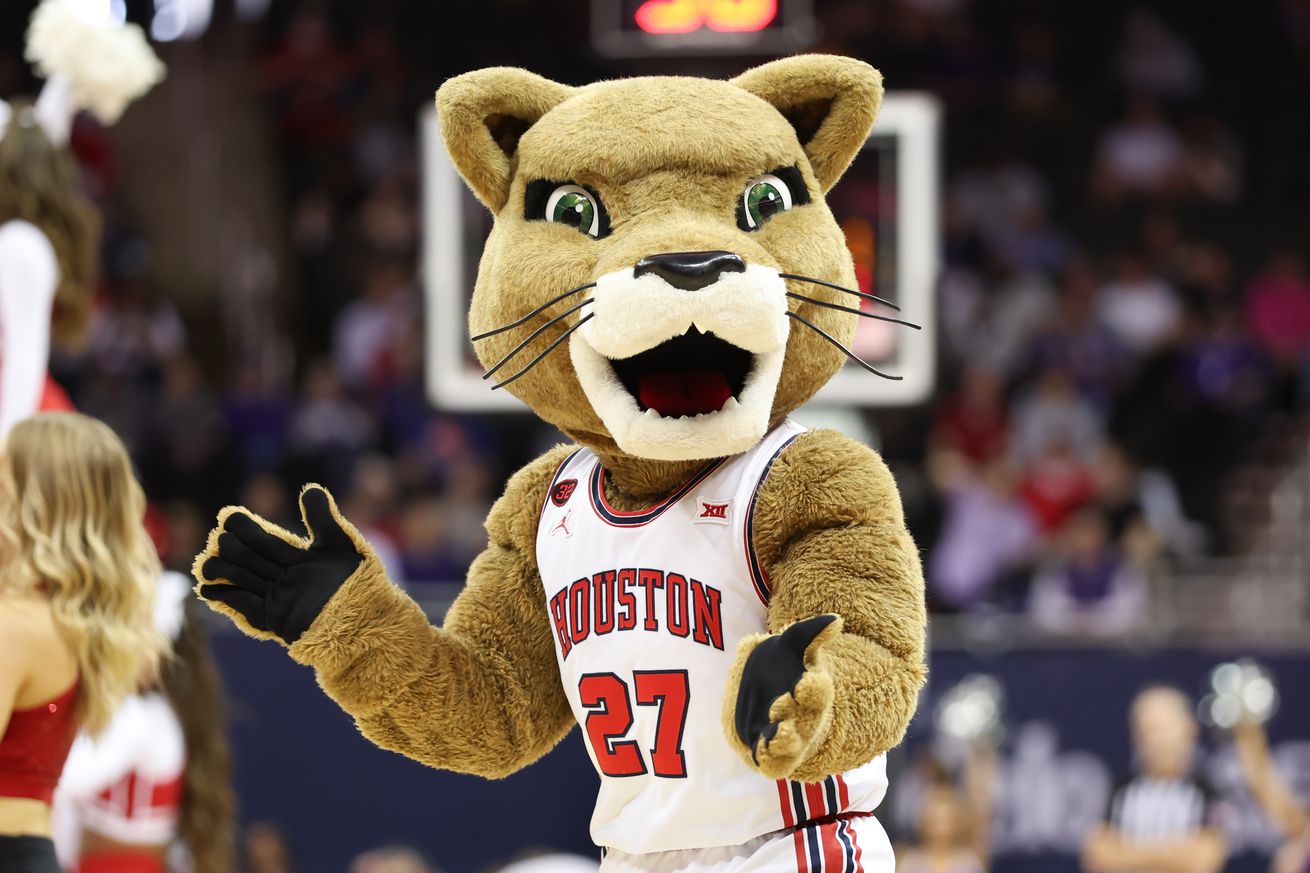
(683, 392)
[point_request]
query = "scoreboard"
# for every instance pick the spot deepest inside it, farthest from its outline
(641, 28)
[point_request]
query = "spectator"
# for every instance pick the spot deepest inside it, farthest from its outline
(1076, 343)
(370, 328)
(1138, 307)
(1138, 156)
(391, 859)
(1056, 484)
(1152, 59)
(1210, 170)
(328, 430)
(1088, 589)
(265, 849)
(1052, 413)
(975, 420)
(988, 533)
(1278, 307)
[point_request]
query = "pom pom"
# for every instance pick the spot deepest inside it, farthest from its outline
(106, 64)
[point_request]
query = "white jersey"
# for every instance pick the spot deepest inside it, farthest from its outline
(125, 784)
(648, 608)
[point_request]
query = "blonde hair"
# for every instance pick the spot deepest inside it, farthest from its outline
(71, 526)
(39, 183)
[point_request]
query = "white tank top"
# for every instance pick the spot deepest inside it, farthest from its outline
(125, 784)
(647, 609)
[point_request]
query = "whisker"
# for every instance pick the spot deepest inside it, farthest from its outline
(860, 312)
(850, 354)
(548, 350)
(874, 298)
(530, 337)
(546, 305)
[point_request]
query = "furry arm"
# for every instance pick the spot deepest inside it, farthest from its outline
(830, 533)
(479, 695)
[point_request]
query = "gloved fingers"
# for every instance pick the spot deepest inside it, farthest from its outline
(237, 553)
(325, 524)
(267, 545)
(249, 605)
(239, 577)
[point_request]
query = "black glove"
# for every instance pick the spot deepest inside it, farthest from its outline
(276, 586)
(773, 670)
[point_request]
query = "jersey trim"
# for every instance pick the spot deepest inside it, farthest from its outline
(828, 845)
(760, 579)
(550, 489)
(805, 802)
(618, 518)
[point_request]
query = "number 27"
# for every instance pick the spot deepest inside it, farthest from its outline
(606, 695)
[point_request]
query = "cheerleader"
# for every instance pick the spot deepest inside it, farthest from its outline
(49, 231)
(77, 575)
(157, 782)
(1290, 815)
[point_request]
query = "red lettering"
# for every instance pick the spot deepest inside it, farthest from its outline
(606, 695)
(669, 690)
(603, 601)
(559, 610)
(650, 580)
(627, 600)
(675, 607)
(579, 609)
(706, 616)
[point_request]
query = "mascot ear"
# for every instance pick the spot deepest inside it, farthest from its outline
(831, 101)
(483, 114)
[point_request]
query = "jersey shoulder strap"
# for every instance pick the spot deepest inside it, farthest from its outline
(757, 468)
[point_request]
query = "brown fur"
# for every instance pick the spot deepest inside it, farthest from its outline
(482, 694)
(665, 175)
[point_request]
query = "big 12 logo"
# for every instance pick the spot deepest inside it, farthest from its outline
(724, 16)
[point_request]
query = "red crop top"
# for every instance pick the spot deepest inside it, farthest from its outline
(35, 746)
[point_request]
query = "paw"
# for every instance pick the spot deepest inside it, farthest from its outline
(782, 707)
(270, 582)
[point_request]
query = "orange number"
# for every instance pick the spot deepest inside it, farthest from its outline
(670, 16)
(739, 16)
(725, 16)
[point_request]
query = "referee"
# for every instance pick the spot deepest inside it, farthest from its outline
(1163, 819)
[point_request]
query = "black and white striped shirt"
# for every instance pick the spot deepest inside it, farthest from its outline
(1145, 809)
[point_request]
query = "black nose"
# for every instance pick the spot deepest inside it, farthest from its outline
(690, 271)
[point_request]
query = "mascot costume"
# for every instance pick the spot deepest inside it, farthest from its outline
(729, 605)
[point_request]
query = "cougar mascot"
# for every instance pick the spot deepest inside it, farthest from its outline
(728, 604)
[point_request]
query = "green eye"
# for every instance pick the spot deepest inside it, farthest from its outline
(765, 196)
(574, 206)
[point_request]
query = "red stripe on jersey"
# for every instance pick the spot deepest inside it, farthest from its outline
(856, 843)
(784, 801)
(815, 800)
(128, 861)
(843, 796)
(167, 795)
(131, 796)
(834, 856)
(802, 856)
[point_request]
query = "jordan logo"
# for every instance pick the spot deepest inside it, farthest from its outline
(713, 511)
(561, 528)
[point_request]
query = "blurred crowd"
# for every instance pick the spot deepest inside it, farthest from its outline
(1125, 302)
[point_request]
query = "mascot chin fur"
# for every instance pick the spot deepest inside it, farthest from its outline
(728, 604)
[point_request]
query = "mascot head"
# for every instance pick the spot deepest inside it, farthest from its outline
(662, 280)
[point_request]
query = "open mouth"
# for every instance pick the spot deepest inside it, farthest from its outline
(692, 374)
